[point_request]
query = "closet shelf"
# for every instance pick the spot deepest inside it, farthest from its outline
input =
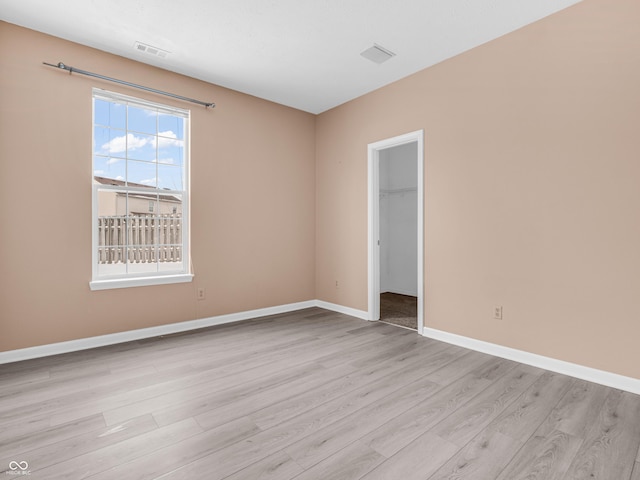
(397, 191)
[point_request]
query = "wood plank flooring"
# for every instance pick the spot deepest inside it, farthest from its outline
(308, 395)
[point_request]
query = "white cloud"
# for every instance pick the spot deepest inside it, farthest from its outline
(119, 177)
(169, 139)
(130, 141)
(99, 172)
(112, 161)
(120, 144)
(169, 161)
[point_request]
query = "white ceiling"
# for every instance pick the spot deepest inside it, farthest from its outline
(300, 53)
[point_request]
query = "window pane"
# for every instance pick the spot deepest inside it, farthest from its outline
(141, 173)
(171, 140)
(141, 147)
(108, 167)
(170, 177)
(170, 205)
(170, 151)
(142, 120)
(142, 204)
(175, 230)
(101, 112)
(101, 137)
(170, 233)
(112, 234)
(112, 269)
(112, 203)
(106, 142)
(111, 142)
(171, 126)
(109, 114)
(171, 208)
(141, 267)
(142, 235)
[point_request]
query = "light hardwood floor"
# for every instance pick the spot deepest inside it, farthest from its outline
(309, 395)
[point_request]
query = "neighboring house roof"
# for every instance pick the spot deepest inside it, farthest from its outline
(122, 183)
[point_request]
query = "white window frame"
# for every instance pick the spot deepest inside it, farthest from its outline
(182, 275)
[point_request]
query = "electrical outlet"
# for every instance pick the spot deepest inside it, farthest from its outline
(497, 312)
(201, 293)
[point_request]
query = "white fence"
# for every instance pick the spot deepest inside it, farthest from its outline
(140, 239)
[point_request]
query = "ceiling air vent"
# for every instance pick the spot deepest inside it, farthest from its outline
(377, 54)
(148, 49)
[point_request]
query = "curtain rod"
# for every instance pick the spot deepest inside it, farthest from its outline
(122, 82)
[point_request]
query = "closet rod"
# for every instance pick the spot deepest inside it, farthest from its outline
(62, 66)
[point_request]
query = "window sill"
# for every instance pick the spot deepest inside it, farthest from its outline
(140, 281)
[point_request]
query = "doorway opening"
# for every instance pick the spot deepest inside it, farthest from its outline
(396, 269)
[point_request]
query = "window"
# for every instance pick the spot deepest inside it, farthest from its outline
(140, 192)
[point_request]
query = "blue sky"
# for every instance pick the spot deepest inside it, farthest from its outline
(138, 145)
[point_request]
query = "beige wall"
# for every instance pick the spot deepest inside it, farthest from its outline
(532, 193)
(253, 200)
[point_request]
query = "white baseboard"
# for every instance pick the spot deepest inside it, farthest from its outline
(342, 309)
(131, 335)
(559, 366)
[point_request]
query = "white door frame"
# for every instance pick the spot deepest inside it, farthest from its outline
(374, 221)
